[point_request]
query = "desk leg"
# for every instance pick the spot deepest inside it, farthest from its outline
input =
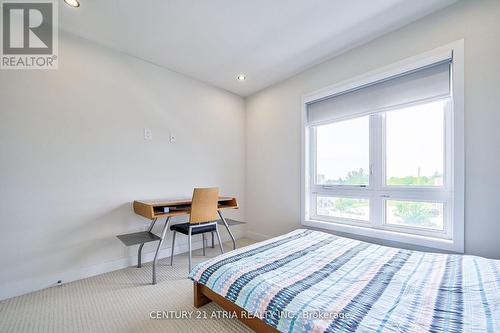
(163, 233)
(213, 243)
(228, 230)
(139, 253)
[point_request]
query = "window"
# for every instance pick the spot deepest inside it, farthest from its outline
(415, 145)
(415, 214)
(345, 208)
(405, 174)
(381, 159)
(342, 153)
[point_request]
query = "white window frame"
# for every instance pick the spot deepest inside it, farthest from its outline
(452, 194)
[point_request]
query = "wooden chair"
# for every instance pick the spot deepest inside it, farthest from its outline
(202, 219)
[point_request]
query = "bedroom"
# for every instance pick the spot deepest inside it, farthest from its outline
(347, 151)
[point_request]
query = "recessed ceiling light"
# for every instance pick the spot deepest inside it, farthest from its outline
(73, 3)
(241, 77)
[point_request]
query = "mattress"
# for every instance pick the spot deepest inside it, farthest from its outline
(310, 281)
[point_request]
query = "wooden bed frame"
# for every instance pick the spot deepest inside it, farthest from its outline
(204, 295)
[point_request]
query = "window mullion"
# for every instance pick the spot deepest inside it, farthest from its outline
(376, 166)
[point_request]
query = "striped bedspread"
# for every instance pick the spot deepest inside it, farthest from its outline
(310, 281)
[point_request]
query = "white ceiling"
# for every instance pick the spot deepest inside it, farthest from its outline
(215, 40)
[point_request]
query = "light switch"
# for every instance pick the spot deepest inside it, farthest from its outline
(148, 134)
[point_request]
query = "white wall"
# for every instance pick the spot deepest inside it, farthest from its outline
(273, 121)
(73, 158)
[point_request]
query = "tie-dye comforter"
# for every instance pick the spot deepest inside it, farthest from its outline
(310, 281)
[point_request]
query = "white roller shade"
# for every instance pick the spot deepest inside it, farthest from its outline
(425, 83)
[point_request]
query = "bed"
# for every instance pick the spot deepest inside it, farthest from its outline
(310, 281)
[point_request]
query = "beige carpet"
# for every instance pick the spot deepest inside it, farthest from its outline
(120, 301)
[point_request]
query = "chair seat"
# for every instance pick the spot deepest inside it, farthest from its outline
(197, 228)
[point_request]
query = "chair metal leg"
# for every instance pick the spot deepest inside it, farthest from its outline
(189, 242)
(218, 238)
(139, 252)
(163, 233)
(228, 230)
(203, 241)
(173, 245)
(213, 240)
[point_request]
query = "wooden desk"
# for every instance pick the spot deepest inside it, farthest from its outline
(154, 209)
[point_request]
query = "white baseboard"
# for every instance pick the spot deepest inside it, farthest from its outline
(22, 287)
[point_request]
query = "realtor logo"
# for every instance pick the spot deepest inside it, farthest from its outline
(29, 35)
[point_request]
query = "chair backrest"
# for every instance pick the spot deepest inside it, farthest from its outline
(204, 205)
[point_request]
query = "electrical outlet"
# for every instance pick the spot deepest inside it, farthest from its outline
(172, 138)
(148, 134)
